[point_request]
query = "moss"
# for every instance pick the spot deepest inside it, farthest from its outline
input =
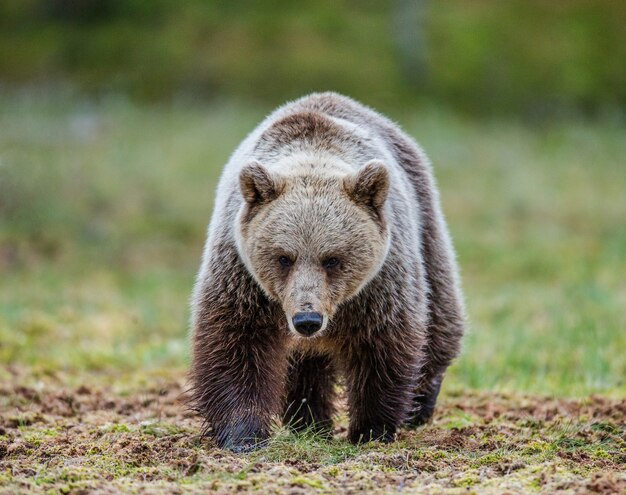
(159, 429)
(118, 428)
(306, 481)
(536, 447)
(468, 480)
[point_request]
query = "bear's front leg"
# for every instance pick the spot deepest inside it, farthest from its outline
(238, 377)
(381, 379)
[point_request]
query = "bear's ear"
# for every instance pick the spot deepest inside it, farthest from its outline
(257, 185)
(369, 186)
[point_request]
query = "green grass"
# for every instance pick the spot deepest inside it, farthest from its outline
(104, 205)
(103, 212)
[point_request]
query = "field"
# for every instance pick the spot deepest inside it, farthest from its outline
(103, 209)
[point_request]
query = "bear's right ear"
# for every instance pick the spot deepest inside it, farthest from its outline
(257, 185)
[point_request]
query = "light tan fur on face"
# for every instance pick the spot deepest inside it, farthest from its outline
(309, 217)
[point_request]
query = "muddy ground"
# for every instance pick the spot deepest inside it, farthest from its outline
(95, 440)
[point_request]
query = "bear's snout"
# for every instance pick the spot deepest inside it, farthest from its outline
(307, 323)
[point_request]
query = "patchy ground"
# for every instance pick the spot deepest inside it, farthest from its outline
(93, 440)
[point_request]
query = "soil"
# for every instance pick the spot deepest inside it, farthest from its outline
(92, 439)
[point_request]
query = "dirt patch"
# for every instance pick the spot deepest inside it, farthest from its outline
(94, 440)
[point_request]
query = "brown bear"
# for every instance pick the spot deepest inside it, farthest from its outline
(327, 253)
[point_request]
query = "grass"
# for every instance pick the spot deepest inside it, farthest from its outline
(103, 209)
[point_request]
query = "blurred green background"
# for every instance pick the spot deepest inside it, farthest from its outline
(117, 116)
(525, 56)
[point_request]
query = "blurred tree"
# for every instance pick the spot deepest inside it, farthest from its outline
(80, 11)
(484, 56)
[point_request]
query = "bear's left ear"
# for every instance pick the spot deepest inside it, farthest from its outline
(369, 187)
(257, 185)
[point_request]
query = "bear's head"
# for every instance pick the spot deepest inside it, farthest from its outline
(313, 240)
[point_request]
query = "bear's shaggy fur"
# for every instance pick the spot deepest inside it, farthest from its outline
(327, 207)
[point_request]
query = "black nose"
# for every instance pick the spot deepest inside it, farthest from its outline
(307, 323)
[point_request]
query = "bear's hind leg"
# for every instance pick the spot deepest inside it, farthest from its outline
(310, 393)
(425, 402)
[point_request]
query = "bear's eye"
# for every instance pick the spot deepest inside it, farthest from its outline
(331, 263)
(285, 262)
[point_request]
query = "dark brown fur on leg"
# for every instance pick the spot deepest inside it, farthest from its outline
(236, 386)
(239, 360)
(309, 397)
(425, 402)
(381, 384)
(445, 311)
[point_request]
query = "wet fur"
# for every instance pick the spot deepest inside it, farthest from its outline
(393, 340)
